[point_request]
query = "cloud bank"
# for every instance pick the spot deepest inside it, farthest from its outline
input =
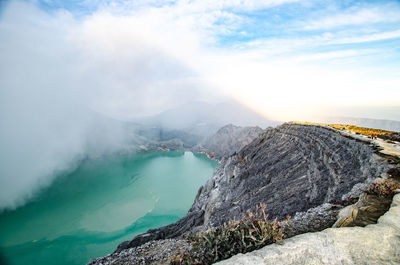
(58, 73)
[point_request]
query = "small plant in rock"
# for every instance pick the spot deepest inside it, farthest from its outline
(383, 188)
(252, 232)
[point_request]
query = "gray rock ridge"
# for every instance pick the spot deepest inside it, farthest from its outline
(293, 169)
(297, 170)
(227, 140)
(374, 244)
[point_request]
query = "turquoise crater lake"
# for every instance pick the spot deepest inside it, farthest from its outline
(86, 213)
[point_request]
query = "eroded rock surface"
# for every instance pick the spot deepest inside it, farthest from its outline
(295, 169)
(374, 244)
(153, 252)
(366, 211)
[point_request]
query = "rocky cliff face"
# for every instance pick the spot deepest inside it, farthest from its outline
(294, 169)
(308, 172)
(227, 140)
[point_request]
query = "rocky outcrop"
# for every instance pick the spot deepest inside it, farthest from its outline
(296, 169)
(153, 252)
(374, 244)
(227, 140)
(366, 211)
(390, 137)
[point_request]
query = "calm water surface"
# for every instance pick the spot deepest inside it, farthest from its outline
(87, 213)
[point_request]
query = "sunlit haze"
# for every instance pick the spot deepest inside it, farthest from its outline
(285, 59)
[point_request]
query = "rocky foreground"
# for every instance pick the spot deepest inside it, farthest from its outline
(308, 172)
(374, 244)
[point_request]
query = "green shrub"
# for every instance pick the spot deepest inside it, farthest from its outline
(252, 232)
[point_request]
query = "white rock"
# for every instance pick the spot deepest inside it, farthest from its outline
(374, 244)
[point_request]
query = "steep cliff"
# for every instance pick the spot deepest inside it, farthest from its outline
(294, 169)
(308, 172)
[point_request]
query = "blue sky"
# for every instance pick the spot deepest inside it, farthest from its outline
(275, 56)
(340, 25)
(236, 23)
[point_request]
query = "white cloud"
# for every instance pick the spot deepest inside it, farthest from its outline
(341, 54)
(295, 46)
(367, 38)
(360, 17)
(195, 5)
(212, 18)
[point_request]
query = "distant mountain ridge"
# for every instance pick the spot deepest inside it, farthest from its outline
(204, 119)
(195, 126)
(180, 128)
(227, 140)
